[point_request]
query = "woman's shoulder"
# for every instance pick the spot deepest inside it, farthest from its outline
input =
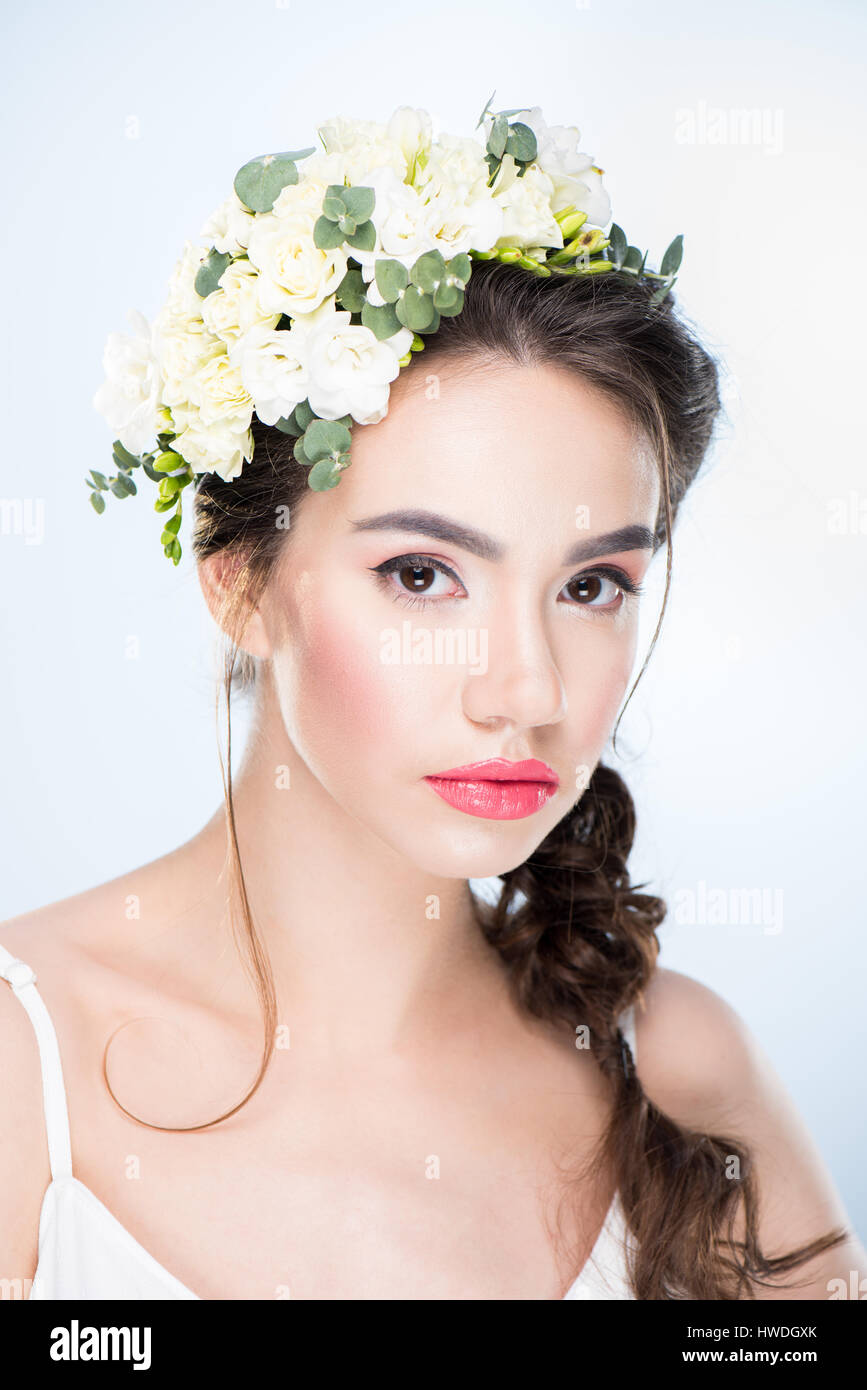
(112, 924)
(696, 1057)
(702, 1066)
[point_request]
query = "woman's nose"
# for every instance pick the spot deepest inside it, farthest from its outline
(519, 681)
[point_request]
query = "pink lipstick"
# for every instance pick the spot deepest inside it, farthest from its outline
(497, 789)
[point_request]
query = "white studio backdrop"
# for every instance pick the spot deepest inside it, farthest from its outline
(740, 125)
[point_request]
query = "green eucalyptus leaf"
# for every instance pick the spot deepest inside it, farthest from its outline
(151, 472)
(498, 136)
(445, 296)
(415, 310)
(324, 474)
(428, 270)
(303, 414)
(359, 201)
(260, 181)
(300, 454)
(333, 206)
(391, 278)
(617, 245)
(352, 291)
(123, 485)
(209, 272)
(521, 143)
(325, 437)
(97, 501)
(286, 424)
(460, 266)
(100, 479)
(673, 256)
(364, 237)
(123, 456)
(487, 108)
(326, 234)
(381, 319)
(347, 225)
(633, 258)
(659, 294)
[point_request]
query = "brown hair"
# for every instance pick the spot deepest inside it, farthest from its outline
(579, 940)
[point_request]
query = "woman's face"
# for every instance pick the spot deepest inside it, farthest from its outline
(398, 654)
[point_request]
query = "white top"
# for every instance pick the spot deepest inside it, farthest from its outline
(85, 1252)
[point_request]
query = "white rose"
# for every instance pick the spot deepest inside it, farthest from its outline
(400, 216)
(228, 227)
(273, 369)
(575, 181)
(462, 213)
(526, 202)
(183, 300)
(217, 389)
(219, 448)
(364, 146)
(129, 398)
(294, 275)
(234, 308)
(182, 347)
(349, 368)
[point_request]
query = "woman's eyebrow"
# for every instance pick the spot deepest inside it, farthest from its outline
(441, 528)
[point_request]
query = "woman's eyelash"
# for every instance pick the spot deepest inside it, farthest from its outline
(399, 562)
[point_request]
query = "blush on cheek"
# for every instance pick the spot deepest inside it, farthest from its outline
(342, 686)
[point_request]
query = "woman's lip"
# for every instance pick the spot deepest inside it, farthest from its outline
(494, 798)
(501, 770)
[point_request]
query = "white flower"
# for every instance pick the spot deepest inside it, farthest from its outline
(400, 216)
(183, 300)
(349, 368)
(462, 213)
(228, 227)
(129, 397)
(218, 448)
(218, 389)
(526, 202)
(410, 129)
(182, 348)
(364, 146)
(234, 308)
(273, 370)
(294, 275)
(575, 181)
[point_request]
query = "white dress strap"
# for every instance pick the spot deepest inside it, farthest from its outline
(23, 982)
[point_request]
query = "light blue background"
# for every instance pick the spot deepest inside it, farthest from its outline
(744, 744)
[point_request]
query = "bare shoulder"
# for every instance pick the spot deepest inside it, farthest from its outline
(128, 925)
(699, 1062)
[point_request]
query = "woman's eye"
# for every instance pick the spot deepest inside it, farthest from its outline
(419, 579)
(416, 579)
(601, 589)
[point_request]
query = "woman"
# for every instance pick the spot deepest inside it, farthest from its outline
(454, 1099)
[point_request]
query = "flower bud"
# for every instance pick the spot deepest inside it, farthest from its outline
(509, 254)
(570, 225)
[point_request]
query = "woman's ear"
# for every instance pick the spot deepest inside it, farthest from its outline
(220, 577)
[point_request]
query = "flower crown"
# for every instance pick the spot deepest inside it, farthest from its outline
(320, 275)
